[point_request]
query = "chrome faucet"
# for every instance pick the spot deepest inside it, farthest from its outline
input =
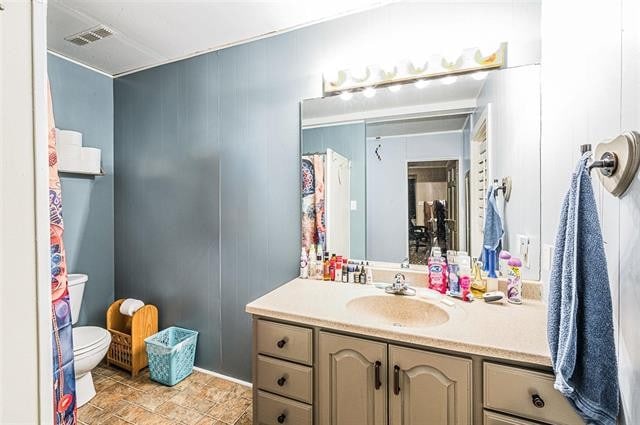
(405, 263)
(399, 287)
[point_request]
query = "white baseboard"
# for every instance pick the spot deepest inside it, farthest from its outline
(219, 375)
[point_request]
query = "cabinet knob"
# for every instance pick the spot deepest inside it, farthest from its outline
(537, 401)
(281, 381)
(281, 343)
(282, 418)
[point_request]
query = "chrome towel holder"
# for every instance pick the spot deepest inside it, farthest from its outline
(618, 161)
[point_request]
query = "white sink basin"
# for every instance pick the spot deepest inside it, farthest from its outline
(398, 310)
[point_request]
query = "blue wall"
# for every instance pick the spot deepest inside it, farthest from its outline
(349, 141)
(207, 204)
(83, 101)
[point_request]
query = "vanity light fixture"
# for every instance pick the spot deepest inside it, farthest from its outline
(420, 84)
(346, 95)
(369, 92)
(395, 88)
(449, 80)
(468, 61)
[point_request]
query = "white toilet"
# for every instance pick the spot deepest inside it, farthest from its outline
(90, 343)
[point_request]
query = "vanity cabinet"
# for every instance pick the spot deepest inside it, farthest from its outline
(306, 376)
(428, 388)
(351, 381)
(357, 384)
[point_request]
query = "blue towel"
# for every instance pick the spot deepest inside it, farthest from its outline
(493, 231)
(580, 317)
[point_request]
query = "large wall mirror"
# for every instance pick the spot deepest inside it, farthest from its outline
(391, 173)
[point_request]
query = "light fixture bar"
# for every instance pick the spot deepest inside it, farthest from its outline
(469, 61)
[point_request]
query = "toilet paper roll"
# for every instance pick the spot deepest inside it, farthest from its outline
(130, 306)
(90, 158)
(69, 157)
(68, 138)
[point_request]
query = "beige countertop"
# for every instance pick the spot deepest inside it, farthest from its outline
(502, 330)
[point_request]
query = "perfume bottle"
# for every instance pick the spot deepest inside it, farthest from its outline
(478, 284)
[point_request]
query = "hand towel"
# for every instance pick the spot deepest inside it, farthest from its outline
(130, 306)
(580, 315)
(493, 231)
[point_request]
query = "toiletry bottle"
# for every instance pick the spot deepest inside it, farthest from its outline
(452, 272)
(437, 275)
(332, 268)
(503, 261)
(326, 269)
(478, 285)
(319, 267)
(352, 269)
(356, 274)
(312, 261)
(363, 274)
(345, 273)
(465, 277)
(304, 264)
(369, 274)
(514, 281)
(339, 269)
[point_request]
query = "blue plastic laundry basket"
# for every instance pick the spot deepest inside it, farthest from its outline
(171, 354)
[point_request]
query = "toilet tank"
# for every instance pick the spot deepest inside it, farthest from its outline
(76, 291)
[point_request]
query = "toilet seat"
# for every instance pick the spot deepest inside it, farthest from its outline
(88, 338)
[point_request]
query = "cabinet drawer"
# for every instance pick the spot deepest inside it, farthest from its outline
(285, 341)
(276, 410)
(512, 390)
(285, 378)
(492, 418)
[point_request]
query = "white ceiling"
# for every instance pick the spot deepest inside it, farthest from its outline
(152, 32)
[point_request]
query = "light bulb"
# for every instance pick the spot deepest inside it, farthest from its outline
(479, 76)
(346, 95)
(422, 83)
(449, 80)
(395, 88)
(369, 92)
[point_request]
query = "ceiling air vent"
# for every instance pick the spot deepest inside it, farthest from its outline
(89, 36)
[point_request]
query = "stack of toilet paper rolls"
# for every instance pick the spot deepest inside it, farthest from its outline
(72, 157)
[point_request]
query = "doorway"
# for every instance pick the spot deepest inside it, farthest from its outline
(432, 207)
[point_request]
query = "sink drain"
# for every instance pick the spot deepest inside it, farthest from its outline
(397, 325)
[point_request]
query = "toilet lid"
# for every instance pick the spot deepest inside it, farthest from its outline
(87, 337)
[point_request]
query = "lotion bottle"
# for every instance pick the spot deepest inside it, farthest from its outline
(304, 264)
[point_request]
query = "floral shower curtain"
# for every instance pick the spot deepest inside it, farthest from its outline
(313, 215)
(64, 383)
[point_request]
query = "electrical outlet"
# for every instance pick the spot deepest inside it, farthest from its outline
(523, 249)
(354, 205)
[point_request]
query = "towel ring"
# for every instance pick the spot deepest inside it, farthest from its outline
(618, 163)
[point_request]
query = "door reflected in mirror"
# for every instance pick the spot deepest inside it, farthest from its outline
(432, 201)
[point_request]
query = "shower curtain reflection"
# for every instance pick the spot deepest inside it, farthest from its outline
(313, 212)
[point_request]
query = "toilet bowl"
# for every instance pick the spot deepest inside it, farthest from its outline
(90, 343)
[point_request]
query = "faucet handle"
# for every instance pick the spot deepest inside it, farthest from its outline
(399, 277)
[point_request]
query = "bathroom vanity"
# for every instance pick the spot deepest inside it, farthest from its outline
(341, 354)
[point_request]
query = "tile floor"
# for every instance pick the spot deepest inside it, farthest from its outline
(200, 399)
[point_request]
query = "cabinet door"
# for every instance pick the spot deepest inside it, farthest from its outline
(428, 388)
(351, 381)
